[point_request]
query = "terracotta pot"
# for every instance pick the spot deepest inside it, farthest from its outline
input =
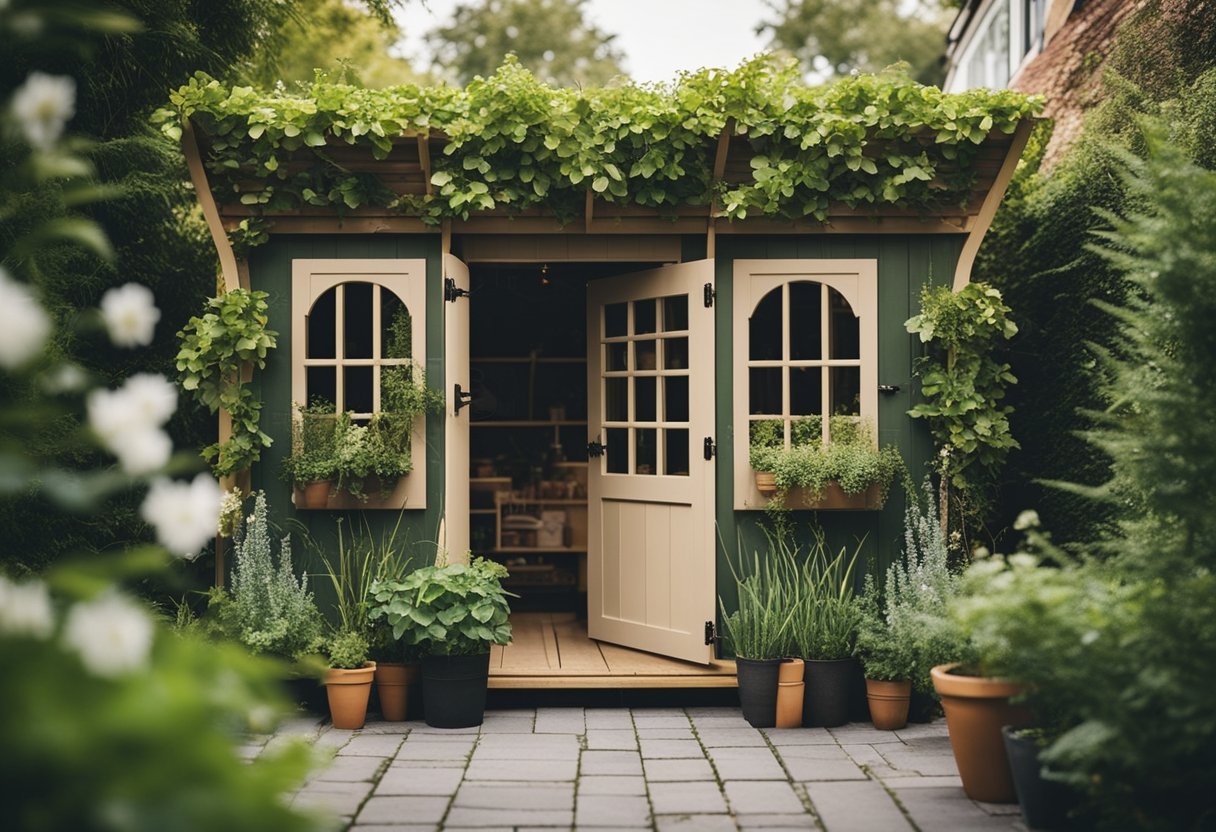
(314, 494)
(766, 482)
(976, 709)
(348, 692)
(393, 682)
(889, 703)
(790, 689)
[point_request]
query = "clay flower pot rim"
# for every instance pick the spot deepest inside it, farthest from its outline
(949, 683)
(351, 675)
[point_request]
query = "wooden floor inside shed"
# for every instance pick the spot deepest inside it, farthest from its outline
(553, 650)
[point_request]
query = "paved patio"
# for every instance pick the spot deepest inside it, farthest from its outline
(645, 768)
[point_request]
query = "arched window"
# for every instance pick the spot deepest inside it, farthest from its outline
(356, 322)
(805, 355)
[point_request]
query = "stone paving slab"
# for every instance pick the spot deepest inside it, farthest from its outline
(702, 769)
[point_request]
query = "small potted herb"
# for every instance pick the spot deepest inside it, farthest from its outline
(312, 467)
(847, 472)
(886, 652)
(451, 614)
(348, 682)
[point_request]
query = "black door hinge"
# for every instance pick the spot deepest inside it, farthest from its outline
(450, 291)
(462, 398)
(595, 449)
(710, 448)
(711, 632)
(710, 294)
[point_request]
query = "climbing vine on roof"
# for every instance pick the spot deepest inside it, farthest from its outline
(513, 142)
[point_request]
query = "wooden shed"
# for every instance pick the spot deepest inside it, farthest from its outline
(601, 355)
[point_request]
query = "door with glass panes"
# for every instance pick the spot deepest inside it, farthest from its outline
(650, 364)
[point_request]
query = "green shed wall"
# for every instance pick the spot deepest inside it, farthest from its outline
(270, 272)
(905, 264)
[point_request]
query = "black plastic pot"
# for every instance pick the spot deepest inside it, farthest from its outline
(758, 690)
(922, 708)
(454, 690)
(1045, 803)
(829, 688)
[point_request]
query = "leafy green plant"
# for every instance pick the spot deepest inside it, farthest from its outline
(759, 627)
(268, 610)
(850, 459)
(447, 610)
(513, 142)
(963, 383)
(907, 628)
(820, 590)
(215, 349)
(347, 649)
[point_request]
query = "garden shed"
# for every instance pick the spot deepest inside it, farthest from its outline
(612, 288)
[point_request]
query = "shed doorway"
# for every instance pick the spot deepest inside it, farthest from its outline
(592, 541)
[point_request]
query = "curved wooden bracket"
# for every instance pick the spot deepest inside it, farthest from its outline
(198, 176)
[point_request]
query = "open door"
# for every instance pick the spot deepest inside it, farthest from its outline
(650, 415)
(454, 527)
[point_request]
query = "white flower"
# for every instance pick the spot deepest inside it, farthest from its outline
(184, 514)
(24, 325)
(25, 609)
(128, 421)
(42, 106)
(230, 513)
(1023, 561)
(130, 315)
(1027, 520)
(142, 452)
(112, 634)
(66, 378)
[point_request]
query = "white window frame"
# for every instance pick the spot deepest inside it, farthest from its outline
(857, 282)
(407, 280)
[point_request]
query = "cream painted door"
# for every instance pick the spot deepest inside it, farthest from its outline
(650, 387)
(454, 529)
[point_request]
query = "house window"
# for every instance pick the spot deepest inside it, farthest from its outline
(806, 348)
(354, 322)
(988, 58)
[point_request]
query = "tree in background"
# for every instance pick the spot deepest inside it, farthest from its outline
(335, 36)
(552, 38)
(835, 37)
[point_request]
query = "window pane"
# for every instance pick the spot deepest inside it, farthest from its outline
(647, 452)
(764, 390)
(767, 433)
(617, 357)
(644, 355)
(675, 313)
(675, 353)
(321, 383)
(320, 333)
(845, 334)
(644, 405)
(675, 452)
(845, 428)
(617, 450)
(808, 431)
(675, 398)
(846, 390)
(615, 320)
(616, 400)
(357, 320)
(643, 316)
(765, 328)
(806, 321)
(358, 392)
(396, 327)
(806, 391)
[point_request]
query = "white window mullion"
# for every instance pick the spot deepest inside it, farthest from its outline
(340, 347)
(825, 342)
(377, 329)
(787, 327)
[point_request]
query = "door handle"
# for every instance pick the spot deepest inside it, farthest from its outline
(461, 398)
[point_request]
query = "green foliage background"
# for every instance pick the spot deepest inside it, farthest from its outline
(1037, 254)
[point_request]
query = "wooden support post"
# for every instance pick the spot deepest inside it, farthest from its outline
(424, 159)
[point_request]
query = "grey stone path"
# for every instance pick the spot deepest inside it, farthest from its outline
(663, 769)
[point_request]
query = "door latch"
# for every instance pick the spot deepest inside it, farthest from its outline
(463, 399)
(451, 292)
(888, 388)
(710, 448)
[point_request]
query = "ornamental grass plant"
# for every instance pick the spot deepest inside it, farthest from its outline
(759, 627)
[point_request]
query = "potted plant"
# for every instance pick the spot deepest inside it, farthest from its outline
(848, 472)
(757, 632)
(823, 630)
(885, 649)
(348, 682)
(451, 613)
(267, 608)
(312, 468)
